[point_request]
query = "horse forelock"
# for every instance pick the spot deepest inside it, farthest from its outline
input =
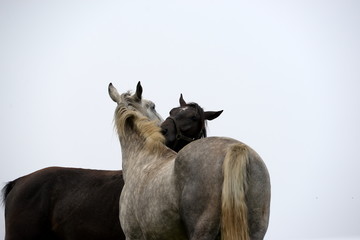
(128, 100)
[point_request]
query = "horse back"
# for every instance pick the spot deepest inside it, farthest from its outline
(63, 203)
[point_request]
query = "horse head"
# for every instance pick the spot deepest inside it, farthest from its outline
(136, 102)
(186, 124)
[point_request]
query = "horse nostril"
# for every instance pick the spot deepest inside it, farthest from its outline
(164, 131)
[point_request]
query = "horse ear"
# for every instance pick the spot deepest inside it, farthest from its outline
(181, 101)
(115, 96)
(210, 115)
(139, 91)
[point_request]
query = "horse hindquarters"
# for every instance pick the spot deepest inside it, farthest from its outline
(258, 196)
(200, 211)
(24, 219)
(199, 180)
(200, 169)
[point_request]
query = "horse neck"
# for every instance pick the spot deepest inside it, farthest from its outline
(137, 154)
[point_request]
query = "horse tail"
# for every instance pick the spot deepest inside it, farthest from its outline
(6, 190)
(234, 211)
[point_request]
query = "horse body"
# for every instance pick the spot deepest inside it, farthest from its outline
(53, 203)
(213, 186)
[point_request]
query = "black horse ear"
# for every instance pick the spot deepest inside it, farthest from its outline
(210, 115)
(139, 91)
(181, 101)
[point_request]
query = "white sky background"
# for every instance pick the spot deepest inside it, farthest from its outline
(286, 73)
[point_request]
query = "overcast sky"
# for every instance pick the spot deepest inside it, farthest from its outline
(286, 74)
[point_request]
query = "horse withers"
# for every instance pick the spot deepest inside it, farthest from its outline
(213, 187)
(73, 203)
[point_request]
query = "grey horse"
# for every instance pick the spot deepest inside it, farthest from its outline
(214, 187)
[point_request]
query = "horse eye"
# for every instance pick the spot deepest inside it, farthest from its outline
(151, 106)
(194, 118)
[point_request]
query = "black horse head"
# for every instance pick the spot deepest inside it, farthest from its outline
(186, 124)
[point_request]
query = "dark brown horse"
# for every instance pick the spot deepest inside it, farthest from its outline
(75, 203)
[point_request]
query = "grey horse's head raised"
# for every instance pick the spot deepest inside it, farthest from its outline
(136, 102)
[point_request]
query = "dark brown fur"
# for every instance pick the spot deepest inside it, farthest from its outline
(54, 203)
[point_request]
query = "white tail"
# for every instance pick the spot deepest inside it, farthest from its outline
(234, 212)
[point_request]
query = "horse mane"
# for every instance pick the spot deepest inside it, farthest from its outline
(127, 119)
(200, 110)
